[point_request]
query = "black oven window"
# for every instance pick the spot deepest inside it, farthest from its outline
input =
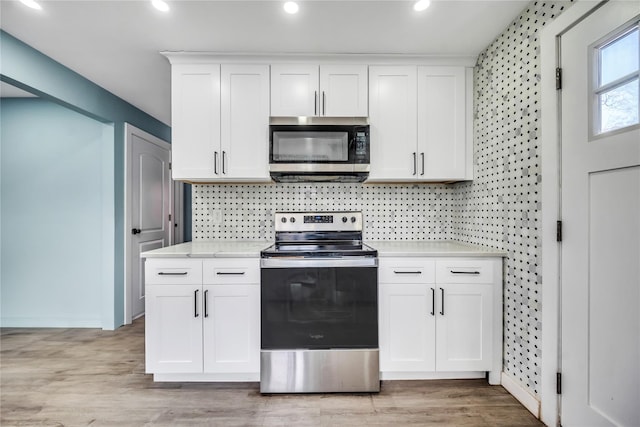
(319, 308)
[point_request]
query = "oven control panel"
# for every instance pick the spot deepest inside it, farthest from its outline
(318, 221)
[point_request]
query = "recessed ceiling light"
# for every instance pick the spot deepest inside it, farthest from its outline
(291, 7)
(161, 5)
(32, 4)
(421, 5)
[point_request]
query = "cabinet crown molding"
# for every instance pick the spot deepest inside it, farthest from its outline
(186, 57)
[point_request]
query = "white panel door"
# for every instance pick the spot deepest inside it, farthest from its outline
(344, 90)
(173, 336)
(393, 122)
(600, 269)
(407, 328)
(294, 90)
(442, 123)
(464, 327)
(232, 328)
(195, 127)
(151, 205)
(245, 121)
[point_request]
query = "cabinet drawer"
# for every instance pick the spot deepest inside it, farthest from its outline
(468, 270)
(168, 271)
(406, 270)
(231, 270)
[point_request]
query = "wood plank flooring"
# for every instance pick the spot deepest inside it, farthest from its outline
(90, 377)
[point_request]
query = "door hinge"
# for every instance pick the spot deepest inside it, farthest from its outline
(558, 231)
(558, 78)
(169, 217)
(558, 383)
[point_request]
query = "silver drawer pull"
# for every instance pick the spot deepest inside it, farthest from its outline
(230, 273)
(465, 272)
(407, 272)
(182, 273)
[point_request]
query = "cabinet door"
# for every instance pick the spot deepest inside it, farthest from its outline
(392, 117)
(245, 121)
(294, 90)
(407, 328)
(232, 328)
(442, 123)
(195, 127)
(173, 335)
(464, 327)
(343, 90)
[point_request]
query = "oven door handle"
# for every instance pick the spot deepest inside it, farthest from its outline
(318, 263)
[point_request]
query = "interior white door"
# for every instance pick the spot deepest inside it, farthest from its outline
(150, 223)
(600, 273)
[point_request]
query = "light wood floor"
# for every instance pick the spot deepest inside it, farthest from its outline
(89, 377)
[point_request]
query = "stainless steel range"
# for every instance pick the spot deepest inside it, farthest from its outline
(319, 306)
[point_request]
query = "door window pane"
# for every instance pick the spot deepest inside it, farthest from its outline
(619, 107)
(619, 58)
(615, 87)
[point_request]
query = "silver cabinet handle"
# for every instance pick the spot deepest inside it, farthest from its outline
(315, 102)
(163, 273)
(433, 301)
(206, 297)
(422, 159)
(324, 104)
(415, 163)
(465, 272)
(442, 306)
(229, 273)
(215, 162)
(195, 303)
(407, 272)
(224, 155)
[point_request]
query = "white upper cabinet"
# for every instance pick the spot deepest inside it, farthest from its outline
(393, 122)
(325, 90)
(220, 114)
(245, 122)
(420, 127)
(442, 123)
(195, 127)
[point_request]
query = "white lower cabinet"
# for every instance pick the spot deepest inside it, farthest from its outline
(204, 331)
(432, 327)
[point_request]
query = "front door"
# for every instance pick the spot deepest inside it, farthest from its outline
(600, 297)
(149, 213)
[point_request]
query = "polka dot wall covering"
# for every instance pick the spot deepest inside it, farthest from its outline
(500, 208)
(391, 212)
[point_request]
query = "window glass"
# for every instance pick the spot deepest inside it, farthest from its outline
(619, 107)
(619, 58)
(616, 86)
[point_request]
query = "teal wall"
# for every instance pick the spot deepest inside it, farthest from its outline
(29, 69)
(56, 215)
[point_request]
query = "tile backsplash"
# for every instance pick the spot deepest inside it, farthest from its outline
(391, 212)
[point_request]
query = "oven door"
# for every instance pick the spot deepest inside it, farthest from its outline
(323, 304)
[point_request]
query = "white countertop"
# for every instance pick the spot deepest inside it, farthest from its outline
(429, 248)
(210, 249)
(251, 249)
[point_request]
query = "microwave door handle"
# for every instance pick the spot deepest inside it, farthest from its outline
(324, 104)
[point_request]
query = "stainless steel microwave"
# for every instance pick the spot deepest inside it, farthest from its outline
(319, 149)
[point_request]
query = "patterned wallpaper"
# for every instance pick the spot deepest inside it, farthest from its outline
(391, 212)
(500, 208)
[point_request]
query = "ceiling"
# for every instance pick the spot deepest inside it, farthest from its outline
(116, 44)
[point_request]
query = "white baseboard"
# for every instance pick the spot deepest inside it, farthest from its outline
(527, 399)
